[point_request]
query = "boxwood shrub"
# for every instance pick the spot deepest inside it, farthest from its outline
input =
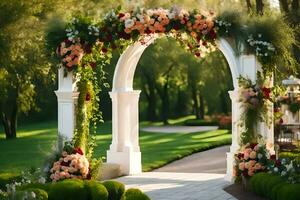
(40, 194)
(115, 190)
(68, 190)
(274, 187)
(135, 194)
(96, 191)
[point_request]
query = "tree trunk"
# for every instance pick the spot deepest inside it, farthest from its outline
(165, 104)
(196, 103)
(249, 6)
(202, 108)
(10, 124)
(295, 5)
(284, 5)
(151, 99)
(259, 7)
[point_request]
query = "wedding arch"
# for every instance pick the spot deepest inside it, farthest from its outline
(86, 46)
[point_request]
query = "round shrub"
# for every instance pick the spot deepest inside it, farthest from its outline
(275, 190)
(270, 183)
(135, 194)
(45, 187)
(257, 181)
(96, 191)
(115, 190)
(68, 190)
(289, 192)
(39, 193)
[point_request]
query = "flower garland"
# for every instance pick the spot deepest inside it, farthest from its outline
(254, 100)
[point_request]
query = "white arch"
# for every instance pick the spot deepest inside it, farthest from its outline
(125, 69)
(124, 149)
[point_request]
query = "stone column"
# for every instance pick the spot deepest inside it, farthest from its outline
(67, 99)
(236, 130)
(125, 149)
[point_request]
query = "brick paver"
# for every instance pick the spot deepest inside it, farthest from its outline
(179, 186)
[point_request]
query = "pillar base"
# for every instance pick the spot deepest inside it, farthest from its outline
(230, 163)
(130, 162)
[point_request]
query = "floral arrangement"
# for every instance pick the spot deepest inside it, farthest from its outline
(288, 169)
(253, 158)
(71, 164)
(253, 99)
(292, 102)
(262, 48)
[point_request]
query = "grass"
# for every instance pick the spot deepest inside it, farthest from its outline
(36, 140)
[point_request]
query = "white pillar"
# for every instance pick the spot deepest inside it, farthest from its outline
(67, 99)
(125, 149)
(236, 130)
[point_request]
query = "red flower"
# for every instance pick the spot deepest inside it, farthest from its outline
(121, 15)
(176, 27)
(273, 157)
(267, 92)
(148, 31)
(87, 48)
(68, 42)
(104, 50)
(240, 156)
(213, 34)
(278, 163)
(93, 65)
(197, 54)
(204, 43)
(109, 37)
(63, 163)
(253, 145)
(78, 150)
(281, 121)
(87, 97)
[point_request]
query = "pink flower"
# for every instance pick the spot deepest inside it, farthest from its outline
(242, 166)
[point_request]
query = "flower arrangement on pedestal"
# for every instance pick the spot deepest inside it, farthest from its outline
(252, 158)
(72, 164)
(293, 103)
(254, 100)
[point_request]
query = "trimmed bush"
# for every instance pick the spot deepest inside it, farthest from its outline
(289, 192)
(7, 178)
(257, 182)
(40, 194)
(68, 190)
(275, 190)
(96, 191)
(45, 187)
(115, 190)
(135, 194)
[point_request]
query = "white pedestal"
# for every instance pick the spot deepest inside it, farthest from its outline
(67, 100)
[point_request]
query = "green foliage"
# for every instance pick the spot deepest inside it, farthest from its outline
(274, 187)
(200, 122)
(39, 193)
(45, 187)
(7, 178)
(96, 190)
(115, 190)
(68, 190)
(135, 194)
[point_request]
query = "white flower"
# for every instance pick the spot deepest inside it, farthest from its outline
(275, 169)
(259, 35)
(129, 23)
(171, 15)
(33, 195)
(259, 156)
(283, 173)
(42, 180)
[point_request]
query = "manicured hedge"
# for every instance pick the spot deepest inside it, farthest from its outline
(274, 187)
(115, 190)
(83, 190)
(135, 194)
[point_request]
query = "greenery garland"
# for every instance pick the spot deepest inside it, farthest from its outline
(254, 99)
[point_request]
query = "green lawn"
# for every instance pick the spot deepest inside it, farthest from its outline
(36, 140)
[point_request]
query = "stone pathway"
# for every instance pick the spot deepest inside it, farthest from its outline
(210, 161)
(179, 186)
(178, 129)
(202, 178)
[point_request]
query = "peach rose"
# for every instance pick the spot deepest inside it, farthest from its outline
(253, 155)
(242, 166)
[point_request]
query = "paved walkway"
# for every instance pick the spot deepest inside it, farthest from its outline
(178, 129)
(179, 186)
(211, 161)
(203, 178)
